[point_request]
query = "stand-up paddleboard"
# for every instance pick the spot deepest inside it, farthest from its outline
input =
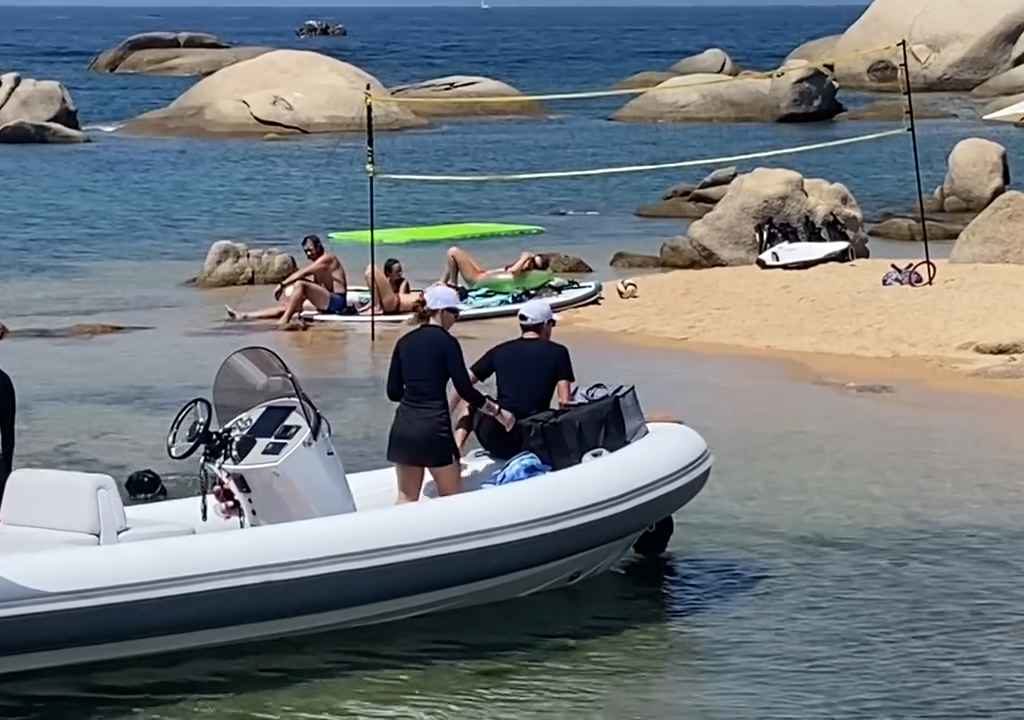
(803, 255)
(582, 294)
(452, 232)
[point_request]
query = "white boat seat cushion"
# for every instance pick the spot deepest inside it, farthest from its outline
(14, 538)
(69, 502)
(142, 529)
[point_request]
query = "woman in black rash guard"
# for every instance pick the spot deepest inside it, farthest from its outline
(423, 362)
(6, 423)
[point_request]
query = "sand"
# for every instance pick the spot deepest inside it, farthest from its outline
(833, 310)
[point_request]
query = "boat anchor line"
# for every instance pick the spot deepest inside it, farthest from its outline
(499, 177)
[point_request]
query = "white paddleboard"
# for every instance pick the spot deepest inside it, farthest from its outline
(572, 297)
(801, 255)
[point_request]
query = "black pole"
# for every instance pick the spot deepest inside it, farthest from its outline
(373, 250)
(917, 161)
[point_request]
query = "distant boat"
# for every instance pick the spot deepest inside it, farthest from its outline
(484, 5)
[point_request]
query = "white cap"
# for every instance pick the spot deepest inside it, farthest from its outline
(535, 312)
(441, 297)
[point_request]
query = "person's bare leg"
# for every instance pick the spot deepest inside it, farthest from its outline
(410, 483)
(270, 313)
(387, 301)
(461, 262)
(448, 479)
(463, 425)
(319, 297)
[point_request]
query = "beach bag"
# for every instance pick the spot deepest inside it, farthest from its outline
(600, 417)
(906, 275)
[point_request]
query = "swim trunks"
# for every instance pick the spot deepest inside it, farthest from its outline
(337, 305)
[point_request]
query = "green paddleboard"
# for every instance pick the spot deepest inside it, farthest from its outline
(451, 232)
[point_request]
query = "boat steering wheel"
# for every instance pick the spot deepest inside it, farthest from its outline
(182, 444)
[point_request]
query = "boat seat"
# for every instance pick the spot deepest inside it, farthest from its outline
(14, 538)
(75, 508)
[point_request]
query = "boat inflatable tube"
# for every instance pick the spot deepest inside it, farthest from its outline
(506, 282)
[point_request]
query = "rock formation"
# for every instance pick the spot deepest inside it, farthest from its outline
(170, 53)
(454, 95)
(230, 263)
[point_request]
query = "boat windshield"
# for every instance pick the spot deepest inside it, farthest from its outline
(253, 376)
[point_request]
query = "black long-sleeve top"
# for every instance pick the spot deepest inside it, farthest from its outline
(6, 428)
(422, 363)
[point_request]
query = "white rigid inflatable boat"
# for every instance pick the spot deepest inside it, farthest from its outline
(291, 544)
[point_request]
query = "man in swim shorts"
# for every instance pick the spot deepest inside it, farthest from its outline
(462, 263)
(529, 371)
(322, 283)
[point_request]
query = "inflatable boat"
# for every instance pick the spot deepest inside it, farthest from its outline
(281, 540)
(578, 295)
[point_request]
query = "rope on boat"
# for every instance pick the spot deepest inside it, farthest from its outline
(821, 64)
(642, 168)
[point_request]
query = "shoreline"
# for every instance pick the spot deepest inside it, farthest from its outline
(834, 324)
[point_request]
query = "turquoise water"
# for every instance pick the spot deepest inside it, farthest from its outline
(854, 556)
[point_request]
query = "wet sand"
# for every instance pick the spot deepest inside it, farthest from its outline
(837, 319)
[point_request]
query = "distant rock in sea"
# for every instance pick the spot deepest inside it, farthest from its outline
(452, 96)
(287, 92)
(172, 53)
(37, 111)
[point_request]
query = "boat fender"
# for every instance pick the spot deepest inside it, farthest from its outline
(654, 540)
(506, 282)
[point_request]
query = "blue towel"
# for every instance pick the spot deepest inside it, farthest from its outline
(522, 466)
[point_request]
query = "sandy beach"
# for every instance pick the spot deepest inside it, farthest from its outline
(830, 316)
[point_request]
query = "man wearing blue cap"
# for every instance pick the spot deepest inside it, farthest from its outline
(529, 371)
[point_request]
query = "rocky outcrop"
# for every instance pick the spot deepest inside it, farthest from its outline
(727, 235)
(793, 94)
(1010, 82)
(819, 50)
(688, 200)
(977, 173)
(24, 132)
(645, 79)
(905, 228)
(284, 92)
(230, 263)
(955, 46)
(633, 261)
(996, 235)
(454, 95)
(925, 108)
(713, 61)
(567, 264)
(36, 101)
(170, 53)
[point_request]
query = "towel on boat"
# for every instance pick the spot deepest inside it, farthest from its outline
(522, 466)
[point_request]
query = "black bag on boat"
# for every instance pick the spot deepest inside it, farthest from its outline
(601, 417)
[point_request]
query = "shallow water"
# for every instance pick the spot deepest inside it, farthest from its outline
(852, 556)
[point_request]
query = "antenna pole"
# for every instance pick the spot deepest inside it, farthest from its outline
(917, 160)
(369, 176)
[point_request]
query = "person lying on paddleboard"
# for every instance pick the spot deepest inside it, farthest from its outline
(392, 292)
(322, 283)
(529, 371)
(462, 263)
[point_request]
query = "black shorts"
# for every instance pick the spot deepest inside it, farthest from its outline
(494, 439)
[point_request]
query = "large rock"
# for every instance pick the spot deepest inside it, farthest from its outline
(996, 235)
(230, 263)
(910, 229)
(454, 95)
(1010, 82)
(956, 45)
(645, 79)
(629, 261)
(36, 101)
(567, 264)
(727, 236)
(925, 108)
(677, 207)
(170, 53)
(714, 61)
(978, 172)
(815, 51)
(791, 94)
(1000, 104)
(24, 132)
(285, 92)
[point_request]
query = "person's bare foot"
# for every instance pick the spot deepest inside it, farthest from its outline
(233, 314)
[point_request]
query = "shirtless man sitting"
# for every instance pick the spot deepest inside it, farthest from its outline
(462, 263)
(322, 283)
(392, 291)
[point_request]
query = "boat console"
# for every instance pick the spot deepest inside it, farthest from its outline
(273, 460)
